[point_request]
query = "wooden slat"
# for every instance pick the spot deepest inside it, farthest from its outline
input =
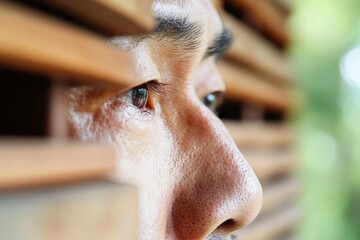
(111, 16)
(279, 194)
(57, 112)
(254, 51)
(291, 237)
(219, 4)
(285, 4)
(253, 134)
(25, 163)
(87, 211)
(272, 228)
(35, 42)
(269, 164)
(267, 15)
(243, 85)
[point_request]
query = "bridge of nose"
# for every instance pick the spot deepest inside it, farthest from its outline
(216, 183)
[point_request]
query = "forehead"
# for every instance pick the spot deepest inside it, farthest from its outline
(201, 12)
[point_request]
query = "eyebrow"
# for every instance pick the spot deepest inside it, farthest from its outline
(187, 35)
(180, 31)
(220, 44)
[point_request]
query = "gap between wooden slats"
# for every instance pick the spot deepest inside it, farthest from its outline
(270, 18)
(252, 50)
(261, 135)
(245, 86)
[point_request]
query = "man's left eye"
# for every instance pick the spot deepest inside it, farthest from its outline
(213, 100)
(137, 96)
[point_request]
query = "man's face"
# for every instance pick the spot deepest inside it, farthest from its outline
(193, 182)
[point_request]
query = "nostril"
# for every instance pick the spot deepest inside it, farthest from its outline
(228, 224)
(224, 229)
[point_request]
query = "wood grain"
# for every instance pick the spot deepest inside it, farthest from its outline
(35, 42)
(25, 163)
(279, 194)
(251, 49)
(270, 164)
(272, 228)
(260, 135)
(87, 211)
(110, 16)
(265, 13)
(243, 85)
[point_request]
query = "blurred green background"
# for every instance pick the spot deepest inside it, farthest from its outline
(326, 60)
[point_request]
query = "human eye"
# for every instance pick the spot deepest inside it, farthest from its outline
(141, 96)
(213, 100)
(137, 96)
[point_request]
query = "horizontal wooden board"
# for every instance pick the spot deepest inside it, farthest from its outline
(110, 16)
(286, 5)
(273, 227)
(251, 49)
(269, 164)
(35, 42)
(88, 211)
(38, 162)
(267, 16)
(245, 86)
(279, 194)
(260, 135)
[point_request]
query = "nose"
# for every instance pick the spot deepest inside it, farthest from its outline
(217, 192)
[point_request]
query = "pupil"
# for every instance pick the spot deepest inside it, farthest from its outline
(139, 97)
(210, 102)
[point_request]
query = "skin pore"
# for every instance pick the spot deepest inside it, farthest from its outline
(193, 182)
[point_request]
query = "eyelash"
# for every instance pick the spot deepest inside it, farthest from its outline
(146, 103)
(143, 96)
(156, 87)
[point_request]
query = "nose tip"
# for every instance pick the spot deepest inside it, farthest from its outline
(221, 201)
(243, 202)
(242, 206)
(219, 193)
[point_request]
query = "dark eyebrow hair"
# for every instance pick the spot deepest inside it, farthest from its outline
(181, 31)
(220, 44)
(186, 34)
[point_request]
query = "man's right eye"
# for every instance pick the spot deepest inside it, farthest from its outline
(137, 96)
(214, 100)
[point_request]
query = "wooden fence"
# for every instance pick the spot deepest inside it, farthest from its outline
(39, 173)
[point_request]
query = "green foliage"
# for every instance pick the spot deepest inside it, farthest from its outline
(329, 120)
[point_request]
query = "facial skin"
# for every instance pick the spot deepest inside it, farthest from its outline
(192, 180)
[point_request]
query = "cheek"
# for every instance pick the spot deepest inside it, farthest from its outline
(131, 130)
(139, 137)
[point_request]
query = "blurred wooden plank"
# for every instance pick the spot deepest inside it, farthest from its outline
(254, 51)
(285, 4)
(88, 211)
(269, 164)
(38, 43)
(291, 237)
(260, 135)
(30, 163)
(279, 194)
(243, 85)
(272, 227)
(270, 18)
(111, 16)
(219, 4)
(57, 112)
